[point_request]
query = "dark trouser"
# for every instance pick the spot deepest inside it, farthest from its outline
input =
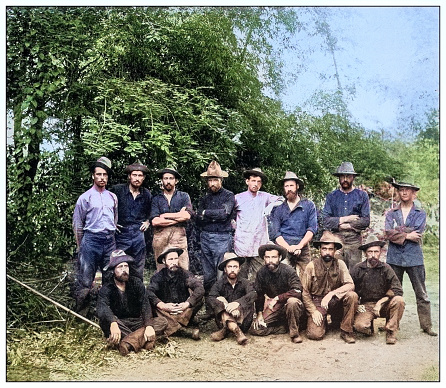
(392, 310)
(350, 253)
(250, 267)
(340, 309)
(131, 240)
(244, 320)
(289, 314)
(417, 276)
(299, 262)
(129, 325)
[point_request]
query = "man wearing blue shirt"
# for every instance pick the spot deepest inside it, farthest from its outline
(347, 213)
(294, 223)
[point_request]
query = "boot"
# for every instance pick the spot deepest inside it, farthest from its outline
(240, 336)
(390, 338)
(219, 335)
(149, 345)
(348, 337)
(430, 332)
(125, 348)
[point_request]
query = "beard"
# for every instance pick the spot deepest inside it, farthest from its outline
(373, 262)
(346, 185)
(168, 187)
(272, 266)
(327, 258)
(291, 195)
(124, 277)
(232, 275)
(173, 268)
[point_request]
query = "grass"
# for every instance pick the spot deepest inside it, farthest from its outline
(431, 374)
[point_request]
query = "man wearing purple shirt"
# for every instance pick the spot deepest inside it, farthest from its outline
(347, 213)
(251, 227)
(94, 225)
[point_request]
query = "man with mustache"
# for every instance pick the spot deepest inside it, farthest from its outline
(133, 216)
(294, 223)
(346, 213)
(232, 299)
(175, 294)
(329, 289)
(379, 290)
(124, 315)
(94, 225)
(279, 304)
(171, 211)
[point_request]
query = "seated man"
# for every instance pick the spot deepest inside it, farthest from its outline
(379, 290)
(232, 299)
(175, 293)
(125, 319)
(279, 293)
(329, 289)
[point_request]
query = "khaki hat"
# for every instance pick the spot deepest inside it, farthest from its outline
(228, 257)
(256, 172)
(269, 246)
(169, 170)
(289, 175)
(214, 170)
(346, 168)
(398, 185)
(102, 162)
(168, 250)
(137, 166)
(371, 241)
(117, 257)
(328, 237)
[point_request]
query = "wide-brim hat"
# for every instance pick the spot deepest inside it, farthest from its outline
(117, 257)
(214, 170)
(168, 250)
(327, 238)
(346, 168)
(169, 170)
(398, 185)
(102, 162)
(137, 166)
(269, 246)
(289, 175)
(371, 241)
(256, 172)
(228, 257)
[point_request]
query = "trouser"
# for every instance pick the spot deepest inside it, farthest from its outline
(177, 321)
(349, 252)
(244, 320)
(170, 236)
(417, 276)
(94, 253)
(131, 240)
(342, 310)
(250, 267)
(392, 310)
(288, 314)
(299, 262)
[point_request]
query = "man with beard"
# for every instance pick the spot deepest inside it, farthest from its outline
(232, 299)
(133, 216)
(294, 223)
(347, 213)
(94, 225)
(279, 295)
(214, 216)
(124, 315)
(329, 289)
(171, 210)
(175, 294)
(379, 290)
(404, 227)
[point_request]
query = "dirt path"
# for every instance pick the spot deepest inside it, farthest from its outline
(275, 358)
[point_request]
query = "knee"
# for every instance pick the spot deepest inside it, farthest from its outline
(351, 297)
(398, 301)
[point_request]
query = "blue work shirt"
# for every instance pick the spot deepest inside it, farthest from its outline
(160, 205)
(292, 225)
(402, 252)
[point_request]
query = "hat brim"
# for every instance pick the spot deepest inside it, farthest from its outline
(132, 168)
(101, 165)
(122, 259)
(298, 181)
(317, 244)
(269, 247)
(372, 244)
(224, 174)
(248, 173)
(160, 173)
(222, 265)
(161, 257)
(408, 185)
(345, 173)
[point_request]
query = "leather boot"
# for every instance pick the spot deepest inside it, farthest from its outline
(125, 348)
(240, 336)
(219, 335)
(149, 345)
(390, 337)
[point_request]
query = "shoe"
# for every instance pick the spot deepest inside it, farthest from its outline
(125, 348)
(240, 336)
(430, 332)
(390, 338)
(149, 345)
(219, 335)
(195, 334)
(205, 317)
(297, 339)
(348, 337)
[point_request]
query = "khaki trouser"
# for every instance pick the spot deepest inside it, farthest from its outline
(170, 236)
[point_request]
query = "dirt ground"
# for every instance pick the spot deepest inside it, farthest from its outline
(276, 358)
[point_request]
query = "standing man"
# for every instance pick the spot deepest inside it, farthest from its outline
(232, 299)
(133, 216)
(379, 290)
(251, 227)
(279, 295)
(347, 213)
(214, 215)
(171, 210)
(94, 224)
(404, 228)
(294, 223)
(329, 289)
(124, 317)
(175, 294)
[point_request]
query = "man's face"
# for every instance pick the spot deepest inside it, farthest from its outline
(100, 177)
(290, 190)
(171, 261)
(407, 194)
(214, 184)
(327, 251)
(136, 178)
(169, 182)
(121, 272)
(254, 183)
(232, 269)
(272, 259)
(373, 254)
(346, 181)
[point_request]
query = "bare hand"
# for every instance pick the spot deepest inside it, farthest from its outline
(317, 318)
(413, 236)
(361, 309)
(230, 307)
(294, 250)
(117, 228)
(144, 226)
(271, 303)
(149, 334)
(259, 321)
(115, 333)
(377, 309)
(326, 299)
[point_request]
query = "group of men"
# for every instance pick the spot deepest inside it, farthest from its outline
(258, 275)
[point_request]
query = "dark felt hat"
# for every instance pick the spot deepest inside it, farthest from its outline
(371, 241)
(346, 168)
(228, 257)
(169, 170)
(117, 257)
(256, 172)
(102, 162)
(270, 246)
(137, 166)
(168, 250)
(399, 185)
